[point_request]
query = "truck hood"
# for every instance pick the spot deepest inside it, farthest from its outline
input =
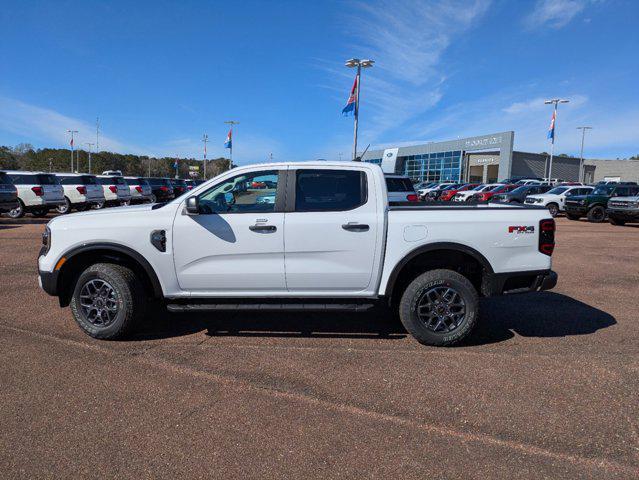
(108, 212)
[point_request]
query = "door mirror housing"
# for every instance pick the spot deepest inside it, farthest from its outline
(193, 206)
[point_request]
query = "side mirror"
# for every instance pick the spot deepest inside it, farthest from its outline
(193, 206)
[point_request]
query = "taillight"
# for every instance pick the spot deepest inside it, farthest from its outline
(412, 197)
(547, 236)
(81, 190)
(138, 188)
(38, 191)
(113, 188)
(164, 189)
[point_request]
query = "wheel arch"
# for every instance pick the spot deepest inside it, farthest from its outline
(438, 255)
(78, 258)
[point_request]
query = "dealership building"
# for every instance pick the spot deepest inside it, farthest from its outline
(491, 158)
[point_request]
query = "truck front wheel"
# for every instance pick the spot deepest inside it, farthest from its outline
(107, 301)
(439, 308)
(597, 214)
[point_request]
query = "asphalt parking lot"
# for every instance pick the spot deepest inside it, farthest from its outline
(547, 388)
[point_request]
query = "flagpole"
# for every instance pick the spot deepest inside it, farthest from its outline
(72, 146)
(554, 102)
(232, 123)
(359, 74)
(356, 62)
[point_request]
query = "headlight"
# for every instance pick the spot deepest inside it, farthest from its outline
(46, 240)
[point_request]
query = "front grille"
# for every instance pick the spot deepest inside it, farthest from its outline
(619, 204)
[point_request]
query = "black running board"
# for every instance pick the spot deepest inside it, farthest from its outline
(265, 307)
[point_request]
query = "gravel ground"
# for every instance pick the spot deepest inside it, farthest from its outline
(546, 388)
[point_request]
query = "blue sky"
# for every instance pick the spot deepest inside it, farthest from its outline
(160, 74)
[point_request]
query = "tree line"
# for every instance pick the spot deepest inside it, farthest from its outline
(25, 157)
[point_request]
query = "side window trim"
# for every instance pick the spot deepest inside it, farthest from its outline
(280, 193)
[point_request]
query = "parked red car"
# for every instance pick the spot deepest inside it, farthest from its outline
(485, 196)
(447, 195)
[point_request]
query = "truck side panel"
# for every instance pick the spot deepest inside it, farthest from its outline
(496, 233)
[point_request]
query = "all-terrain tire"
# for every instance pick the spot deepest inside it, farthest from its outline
(128, 296)
(425, 287)
(597, 214)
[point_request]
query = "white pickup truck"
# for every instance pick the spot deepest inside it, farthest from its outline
(296, 236)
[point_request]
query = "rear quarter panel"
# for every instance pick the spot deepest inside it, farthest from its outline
(485, 230)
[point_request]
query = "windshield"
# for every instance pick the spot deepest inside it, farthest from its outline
(478, 188)
(558, 190)
(498, 188)
(603, 190)
(522, 189)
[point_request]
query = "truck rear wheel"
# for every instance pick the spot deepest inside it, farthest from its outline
(439, 308)
(107, 301)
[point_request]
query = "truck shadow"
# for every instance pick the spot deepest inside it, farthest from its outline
(541, 314)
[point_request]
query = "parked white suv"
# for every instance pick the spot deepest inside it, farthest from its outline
(467, 194)
(400, 189)
(38, 192)
(140, 190)
(329, 240)
(116, 191)
(81, 191)
(555, 200)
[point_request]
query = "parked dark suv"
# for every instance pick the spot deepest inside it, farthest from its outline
(519, 194)
(593, 206)
(179, 186)
(8, 194)
(162, 188)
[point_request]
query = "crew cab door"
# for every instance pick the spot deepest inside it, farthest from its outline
(236, 242)
(331, 230)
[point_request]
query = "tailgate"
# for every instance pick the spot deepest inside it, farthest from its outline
(95, 192)
(52, 193)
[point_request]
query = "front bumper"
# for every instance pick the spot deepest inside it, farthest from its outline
(518, 282)
(628, 215)
(577, 209)
(49, 282)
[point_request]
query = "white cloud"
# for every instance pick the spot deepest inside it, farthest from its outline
(48, 127)
(554, 13)
(407, 40)
(43, 124)
(614, 132)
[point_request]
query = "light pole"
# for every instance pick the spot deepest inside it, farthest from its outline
(551, 131)
(90, 145)
(352, 63)
(582, 174)
(72, 132)
(232, 123)
(205, 139)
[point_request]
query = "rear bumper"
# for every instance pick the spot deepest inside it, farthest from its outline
(7, 205)
(518, 282)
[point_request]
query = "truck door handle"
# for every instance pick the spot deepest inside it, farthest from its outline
(356, 227)
(262, 228)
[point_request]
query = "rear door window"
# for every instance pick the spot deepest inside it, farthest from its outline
(399, 185)
(4, 179)
(329, 190)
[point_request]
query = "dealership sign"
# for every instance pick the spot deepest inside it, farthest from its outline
(389, 160)
(483, 142)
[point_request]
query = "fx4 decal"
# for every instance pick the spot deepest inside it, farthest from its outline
(521, 229)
